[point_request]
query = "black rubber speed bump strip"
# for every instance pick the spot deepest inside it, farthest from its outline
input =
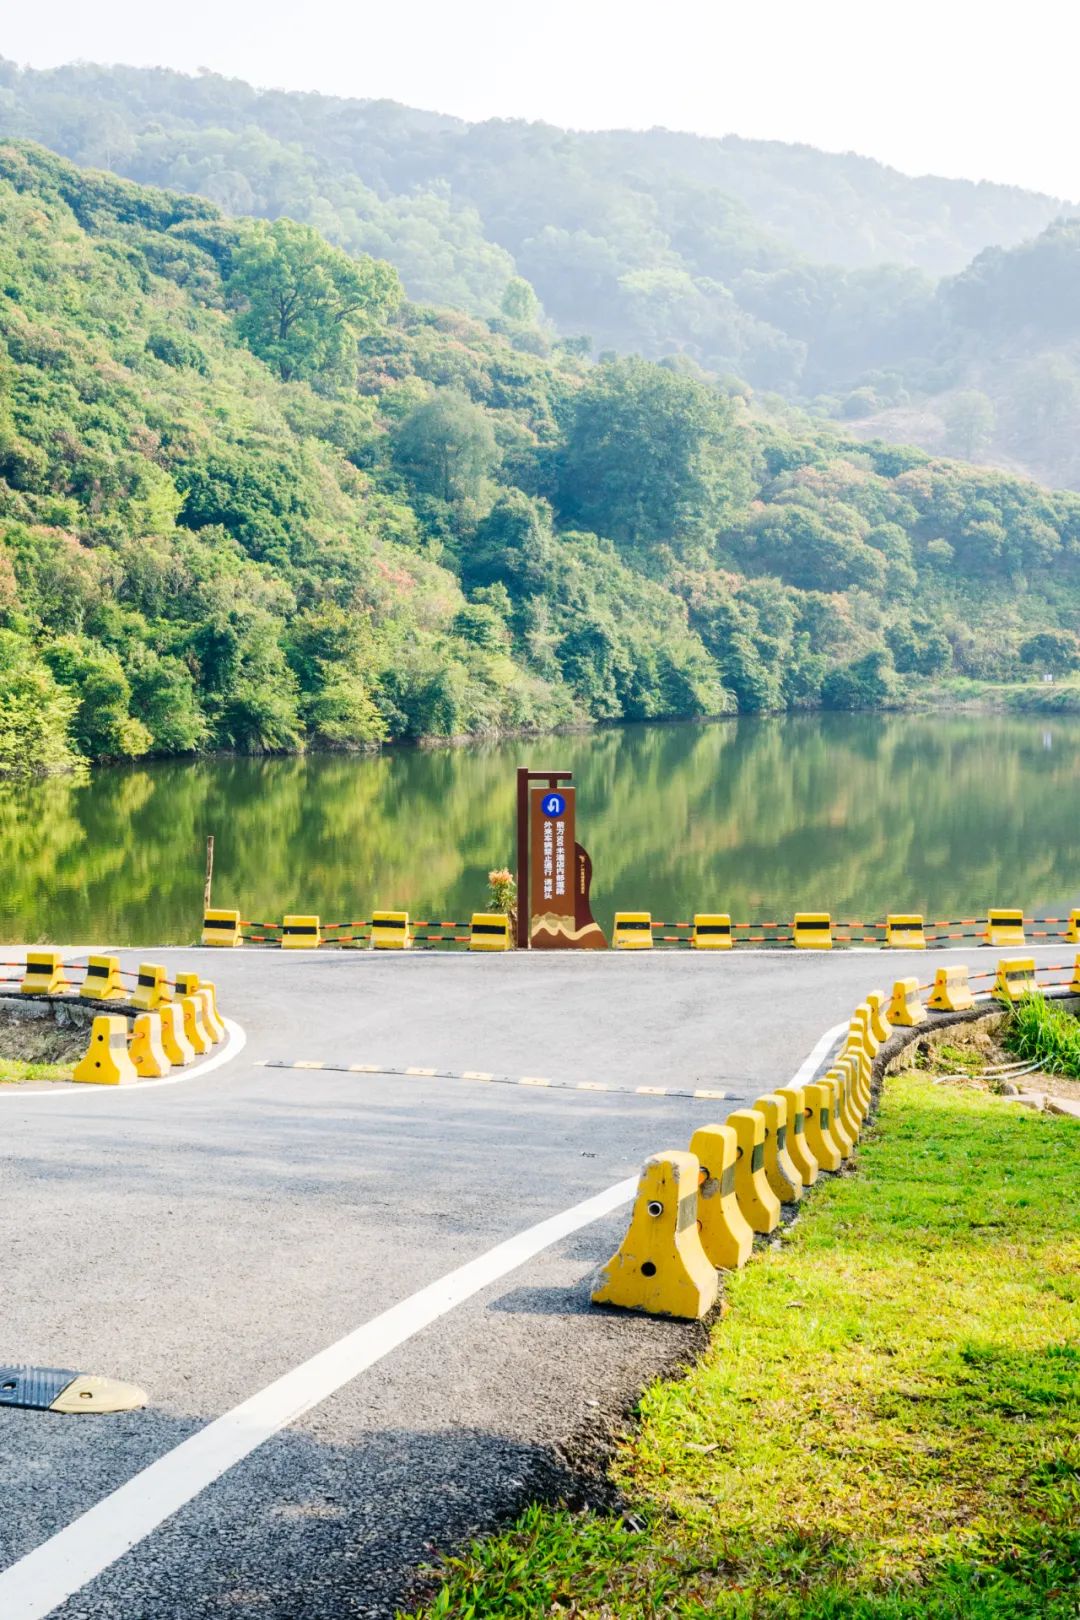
(60, 1389)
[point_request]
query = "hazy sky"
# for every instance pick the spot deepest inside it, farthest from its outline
(953, 87)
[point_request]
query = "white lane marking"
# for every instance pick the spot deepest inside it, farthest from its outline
(38, 1583)
(233, 1047)
(46, 1577)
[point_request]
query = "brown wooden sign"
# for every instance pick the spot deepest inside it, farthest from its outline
(559, 877)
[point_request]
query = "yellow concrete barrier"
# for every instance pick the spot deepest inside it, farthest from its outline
(107, 1062)
(1072, 933)
(390, 931)
(44, 975)
(660, 1266)
(780, 1170)
(1005, 928)
(102, 981)
(1075, 985)
(757, 1200)
(904, 933)
(147, 1051)
(489, 931)
(175, 1044)
(300, 933)
(798, 1147)
(878, 1003)
(862, 1069)
(211, 1022)
(632, 931)
(195, 1031)
(1015, 978)
(817, 1125)
(849, 1109)
(221, 928)
(712, 931)
(951, 992)
(726, 1234)
(813, 931)
(151, 987)
(836, 1083)
(906, 1008)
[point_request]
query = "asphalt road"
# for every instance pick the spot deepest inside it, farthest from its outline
(204, 1239)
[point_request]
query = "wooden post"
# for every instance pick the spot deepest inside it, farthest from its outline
(209, 872)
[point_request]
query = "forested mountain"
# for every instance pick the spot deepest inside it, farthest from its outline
(250, 497)
(809, 274)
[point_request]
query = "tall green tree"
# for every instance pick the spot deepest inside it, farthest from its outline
(446, 446)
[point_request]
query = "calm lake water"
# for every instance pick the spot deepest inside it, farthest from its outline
(857, 815)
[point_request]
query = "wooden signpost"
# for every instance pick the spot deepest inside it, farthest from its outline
(554, 872)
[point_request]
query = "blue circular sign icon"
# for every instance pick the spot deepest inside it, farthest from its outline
(554, 804)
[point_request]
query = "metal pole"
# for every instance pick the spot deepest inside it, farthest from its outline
(209, 871)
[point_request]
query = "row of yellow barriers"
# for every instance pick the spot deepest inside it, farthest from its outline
(815, 931)
(389, 931)
(696, 1212)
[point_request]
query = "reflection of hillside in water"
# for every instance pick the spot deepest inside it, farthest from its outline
(857, 814)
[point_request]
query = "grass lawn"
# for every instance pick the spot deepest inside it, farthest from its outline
(15, 1073)
(886, 1423)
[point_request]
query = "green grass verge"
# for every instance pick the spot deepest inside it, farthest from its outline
(1045, 1033)
(886, 1422)
(13, 1072)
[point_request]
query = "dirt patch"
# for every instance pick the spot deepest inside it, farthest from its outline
(42, 1032)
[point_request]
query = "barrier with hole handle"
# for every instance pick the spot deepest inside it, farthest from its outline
(177, 1048)
(195, 1031)
(151, 987)
(757, 1200)
(817, 1117)
(726, 1235)
(107, 1061)
(906, 1008)
(147, 1050)
(660, 1265)
(951, 992)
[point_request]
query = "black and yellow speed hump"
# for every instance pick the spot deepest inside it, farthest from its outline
(59, 1389)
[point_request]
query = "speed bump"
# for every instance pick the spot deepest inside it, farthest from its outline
(798, 1147)
(59, 1389)
(780, 1170)
(390, 931)
(178, 1049)
(905, 1008)
(1015, 978)
(300, 933)
(905, 933)
(951, 992)
(817, 1116)
(757, 1200)
(632, 931)
(44, 975)
(221, 928)
(726, 1235)
(489, 931)
(660, 1266)
(107, 1062)
(195, 1031)
(1005, 928)
(147, 1052)
(812, 931)
(712, 931)
(102, 981)
(151, 987)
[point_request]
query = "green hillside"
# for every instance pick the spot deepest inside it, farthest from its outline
(251, 498)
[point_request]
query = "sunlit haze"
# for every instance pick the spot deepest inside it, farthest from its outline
(954, 89)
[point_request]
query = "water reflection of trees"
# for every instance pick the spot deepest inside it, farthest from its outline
(857, 814)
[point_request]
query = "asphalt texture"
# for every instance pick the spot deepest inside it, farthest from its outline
(202, 1239)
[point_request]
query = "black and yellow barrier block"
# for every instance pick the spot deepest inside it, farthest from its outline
(726, 1235)
(188, 983)
(151, 987)
(660, 1266)
(906, 1008)
(905, 933)
(758, 1202)
(102, 980)
(489, 931)
(952, 991)
(799, 1150)
(632, 931)
(44, 975)
(221, 928)
(1005, 927)
(107, 1062)
(147, 1051)
(780, 1170)
(1072, 932)
(300, 933)
(1015, 978)
(59, 1389)
(812, 931)
(817, 1124)
(712, 931)
(178, 1049)
(390, 931)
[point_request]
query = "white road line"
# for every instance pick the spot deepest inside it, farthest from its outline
(813, 1061)
(233, 1047)
(38, 1583)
